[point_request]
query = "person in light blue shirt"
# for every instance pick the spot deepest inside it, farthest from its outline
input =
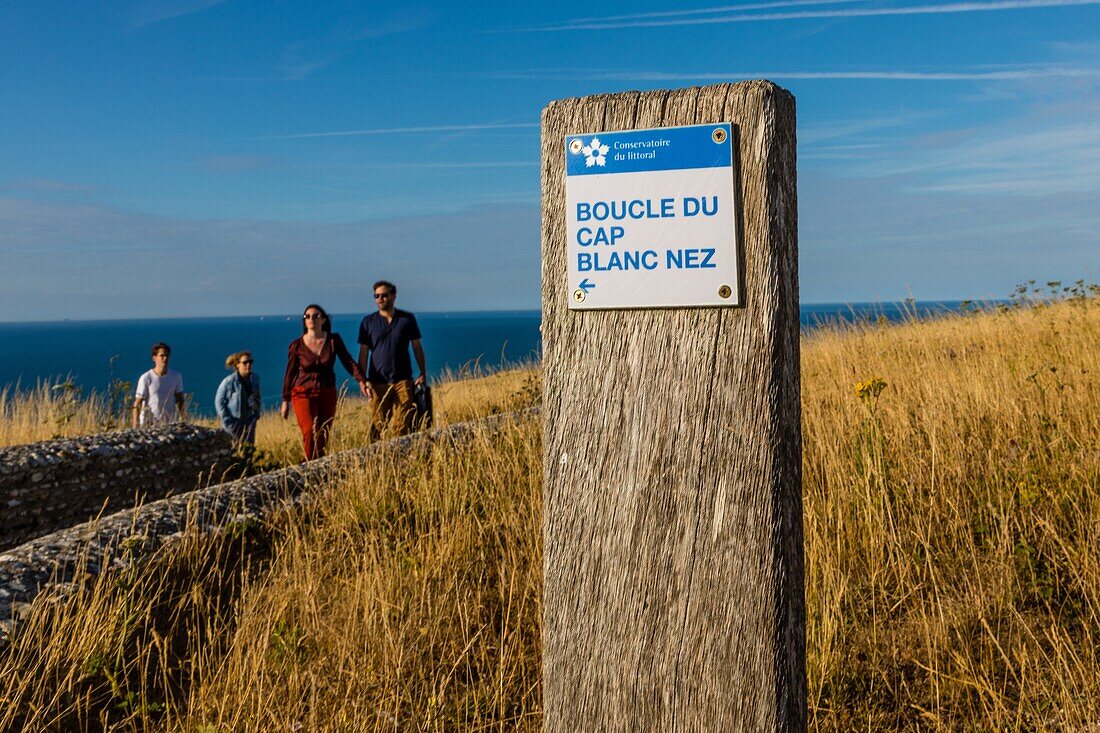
(238, 400)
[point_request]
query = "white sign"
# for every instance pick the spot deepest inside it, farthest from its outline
(651, 218)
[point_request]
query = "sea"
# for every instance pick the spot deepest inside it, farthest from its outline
(92, 355)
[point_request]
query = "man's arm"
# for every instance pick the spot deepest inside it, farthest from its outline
(138, 402)
(364, 364)
(364, 347)
(364, 354)
(418, 352)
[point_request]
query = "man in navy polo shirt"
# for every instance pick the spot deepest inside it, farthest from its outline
(384, 340)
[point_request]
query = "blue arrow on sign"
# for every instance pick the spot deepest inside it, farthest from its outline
(585, 285)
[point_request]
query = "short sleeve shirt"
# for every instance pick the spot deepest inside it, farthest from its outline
(159, 395)
(388, 342)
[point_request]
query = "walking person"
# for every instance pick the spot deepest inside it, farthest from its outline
(238, 401)
(159, 396)
(384, 341)
(309, 383)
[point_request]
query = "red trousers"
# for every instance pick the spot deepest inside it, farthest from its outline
(315, 414)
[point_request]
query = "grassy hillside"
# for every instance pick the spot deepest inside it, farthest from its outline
(952, 526)
(952, 522)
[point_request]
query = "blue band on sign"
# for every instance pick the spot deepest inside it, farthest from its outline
(666, 149)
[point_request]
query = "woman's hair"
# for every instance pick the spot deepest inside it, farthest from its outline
(327, 327)
(233, 359)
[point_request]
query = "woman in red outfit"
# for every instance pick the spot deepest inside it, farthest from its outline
(310, 380)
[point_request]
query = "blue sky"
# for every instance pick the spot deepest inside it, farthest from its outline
(221, 157)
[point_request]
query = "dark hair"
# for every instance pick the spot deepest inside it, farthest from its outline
(327, 327)
(161, 345)
(384, 284)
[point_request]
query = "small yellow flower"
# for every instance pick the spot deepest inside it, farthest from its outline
(869, 389)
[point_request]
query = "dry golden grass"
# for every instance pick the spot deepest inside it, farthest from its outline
(952, 528)
(115, 653)
(50, 410)
(407, 600)
(952, 523)
(60, 410)
(405, 597)
(425, 564)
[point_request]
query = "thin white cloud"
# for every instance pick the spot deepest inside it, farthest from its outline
(816, 133)
(1003, 74)
(709, 11)
(49, 185)
(409, 19)
(299, 60)
(962, 7)
(233, 163)
(1059, 157)
(154, 11)
(478, 164)
(404, 130)
(840, 152)
(1045, 149)
(304, 57)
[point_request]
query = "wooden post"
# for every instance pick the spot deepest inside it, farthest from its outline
(673, 509)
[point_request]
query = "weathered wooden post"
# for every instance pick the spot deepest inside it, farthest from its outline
(673, 510)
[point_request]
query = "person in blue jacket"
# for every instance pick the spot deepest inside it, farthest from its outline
(238, 400)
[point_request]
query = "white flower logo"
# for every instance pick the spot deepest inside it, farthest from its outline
(595, 153)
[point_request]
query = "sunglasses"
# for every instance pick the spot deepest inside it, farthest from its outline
(245, 361)
(311, 316)
(379, 296)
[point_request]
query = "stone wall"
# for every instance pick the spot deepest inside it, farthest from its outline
(58, 560)
(55, 484)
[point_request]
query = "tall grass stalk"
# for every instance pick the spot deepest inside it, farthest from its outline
(51, 409)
